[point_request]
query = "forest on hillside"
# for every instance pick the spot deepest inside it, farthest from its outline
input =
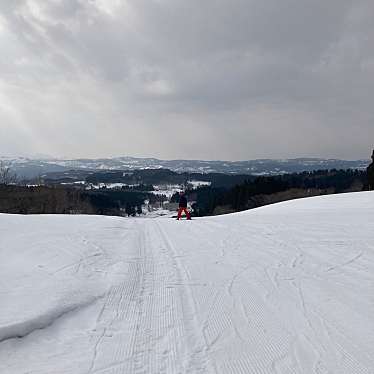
(267, 190)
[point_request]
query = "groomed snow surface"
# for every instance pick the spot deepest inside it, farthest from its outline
(287, 288)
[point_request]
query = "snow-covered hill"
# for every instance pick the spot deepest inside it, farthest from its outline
(286, 288)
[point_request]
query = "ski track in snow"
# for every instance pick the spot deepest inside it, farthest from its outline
(285, 289)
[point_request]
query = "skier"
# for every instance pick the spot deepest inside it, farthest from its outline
(370, 172)
(183, 206)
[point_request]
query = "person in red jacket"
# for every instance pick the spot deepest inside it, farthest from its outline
(183, 206)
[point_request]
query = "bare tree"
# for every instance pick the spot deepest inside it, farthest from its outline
(6, 175)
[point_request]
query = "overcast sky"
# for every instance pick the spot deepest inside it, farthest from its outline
(211, 79)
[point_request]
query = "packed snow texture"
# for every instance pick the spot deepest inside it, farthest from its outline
(283, 289)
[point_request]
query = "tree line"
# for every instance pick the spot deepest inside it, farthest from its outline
(62, 200)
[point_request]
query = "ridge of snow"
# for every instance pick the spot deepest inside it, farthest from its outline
(21, 329)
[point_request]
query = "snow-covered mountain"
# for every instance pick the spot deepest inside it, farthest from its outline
(286, 288)
(34, 167)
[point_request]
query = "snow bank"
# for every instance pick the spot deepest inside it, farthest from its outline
(47, 317)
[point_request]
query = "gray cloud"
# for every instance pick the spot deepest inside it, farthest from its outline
(187, 79)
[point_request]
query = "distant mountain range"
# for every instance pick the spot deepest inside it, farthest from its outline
(30, 168)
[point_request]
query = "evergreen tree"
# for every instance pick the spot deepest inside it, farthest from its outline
(370, 173)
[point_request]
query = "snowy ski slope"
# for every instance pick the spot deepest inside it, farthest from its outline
(283, 289)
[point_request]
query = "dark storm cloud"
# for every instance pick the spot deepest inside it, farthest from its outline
(170, 78)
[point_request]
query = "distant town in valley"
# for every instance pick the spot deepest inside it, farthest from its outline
(128, 186)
